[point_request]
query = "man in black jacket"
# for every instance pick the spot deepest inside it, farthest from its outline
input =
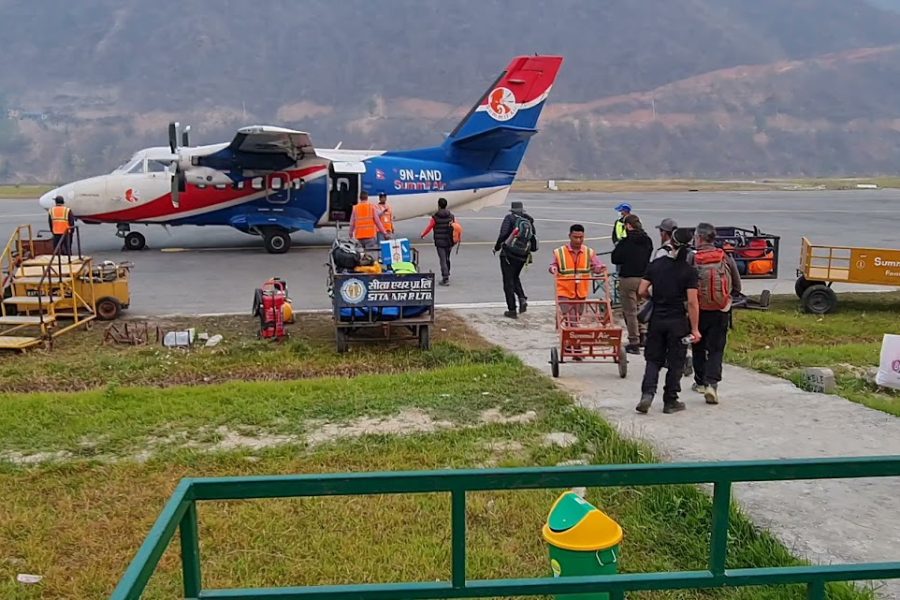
(442, 224)
(515, 245)
(632, 255)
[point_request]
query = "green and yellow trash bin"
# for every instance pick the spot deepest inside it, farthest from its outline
(582, 541)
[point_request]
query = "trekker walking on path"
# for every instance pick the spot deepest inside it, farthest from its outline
(670, 283)
(632, 256)
(666, 227)
(718, 278)
(442, 224)
(516, 242)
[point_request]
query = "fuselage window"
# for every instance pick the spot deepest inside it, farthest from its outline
(221, 186)
(257, 183)
(201, 186)
(239, 185)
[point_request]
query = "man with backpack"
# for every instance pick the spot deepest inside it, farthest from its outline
(717, 279)
(442, 224)
(516, 242)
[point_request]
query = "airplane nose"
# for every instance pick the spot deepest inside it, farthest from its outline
(46, 200)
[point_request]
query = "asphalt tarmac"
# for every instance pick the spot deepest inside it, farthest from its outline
(204, 270)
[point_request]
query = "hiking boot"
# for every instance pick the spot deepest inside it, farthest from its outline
(511, 314)
(523, 306)
(674, 407)
(698, 387)
(632, 349)
(711, 394)
(643, 406)
(445, 281)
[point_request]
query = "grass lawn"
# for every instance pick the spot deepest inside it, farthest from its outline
(784, 339)
(24, 190)
(84, 473)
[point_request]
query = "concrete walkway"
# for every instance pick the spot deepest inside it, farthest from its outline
(759, 417)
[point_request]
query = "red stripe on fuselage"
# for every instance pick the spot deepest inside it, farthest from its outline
(190, 200)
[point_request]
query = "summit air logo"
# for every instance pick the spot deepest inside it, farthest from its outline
(502, 104)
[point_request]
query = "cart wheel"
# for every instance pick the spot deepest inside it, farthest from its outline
(554, 362)
(802, 284)
(108, 308)
(424, 337)
(819, 299)
(623, 362)
(340, 338)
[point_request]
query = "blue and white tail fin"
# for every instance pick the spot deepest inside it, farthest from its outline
(495, 133)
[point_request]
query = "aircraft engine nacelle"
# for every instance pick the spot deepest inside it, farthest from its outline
(206, 176)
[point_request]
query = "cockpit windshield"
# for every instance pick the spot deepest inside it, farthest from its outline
(135, 164)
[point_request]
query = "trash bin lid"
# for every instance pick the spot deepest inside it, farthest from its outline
(575, 524)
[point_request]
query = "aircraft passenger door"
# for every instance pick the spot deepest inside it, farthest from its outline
(278, 188)
(344, 187)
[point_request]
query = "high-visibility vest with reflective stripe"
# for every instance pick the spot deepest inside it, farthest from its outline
(386, 213)
(59, 216)
(620, 231)
(573, 274)
(365, 221)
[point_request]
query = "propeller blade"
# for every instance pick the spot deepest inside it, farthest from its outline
(179, 184)
(185, 140)
(173, 136)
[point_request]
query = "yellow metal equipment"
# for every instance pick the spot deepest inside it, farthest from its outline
(46, 295)
(820, 266)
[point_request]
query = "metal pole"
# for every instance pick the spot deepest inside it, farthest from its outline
(458, 535)
(719, 539)
(190, 552)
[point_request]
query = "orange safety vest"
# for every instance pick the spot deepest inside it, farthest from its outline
(570, 267)
(386, 213)
(59, 216)
(365, 221)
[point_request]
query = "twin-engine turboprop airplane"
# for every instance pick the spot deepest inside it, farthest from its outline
(271, 181)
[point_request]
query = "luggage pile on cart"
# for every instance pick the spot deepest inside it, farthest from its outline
(384, 292)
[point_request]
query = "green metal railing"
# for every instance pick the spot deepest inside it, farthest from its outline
(181, 513)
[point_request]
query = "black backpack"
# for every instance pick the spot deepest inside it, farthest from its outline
(518, 244)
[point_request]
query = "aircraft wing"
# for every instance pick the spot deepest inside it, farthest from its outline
(260, 139)
(260, 148)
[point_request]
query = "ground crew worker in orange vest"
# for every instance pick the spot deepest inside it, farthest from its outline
(385, 214)
(365, 225)
(61, 222)
(573, 265)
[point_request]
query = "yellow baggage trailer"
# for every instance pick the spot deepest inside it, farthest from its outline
(821, 266)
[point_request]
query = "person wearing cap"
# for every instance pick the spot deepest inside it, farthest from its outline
(632, 255)
(619, 232)
(671, 283)
(515, 245)
(365, 226)
(385, 214)
(666, 227)
(61, 222)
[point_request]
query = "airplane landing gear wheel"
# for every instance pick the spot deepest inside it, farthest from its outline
(277, 241)
(135, 241)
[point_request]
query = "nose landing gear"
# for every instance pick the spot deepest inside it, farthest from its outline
(133, 239)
